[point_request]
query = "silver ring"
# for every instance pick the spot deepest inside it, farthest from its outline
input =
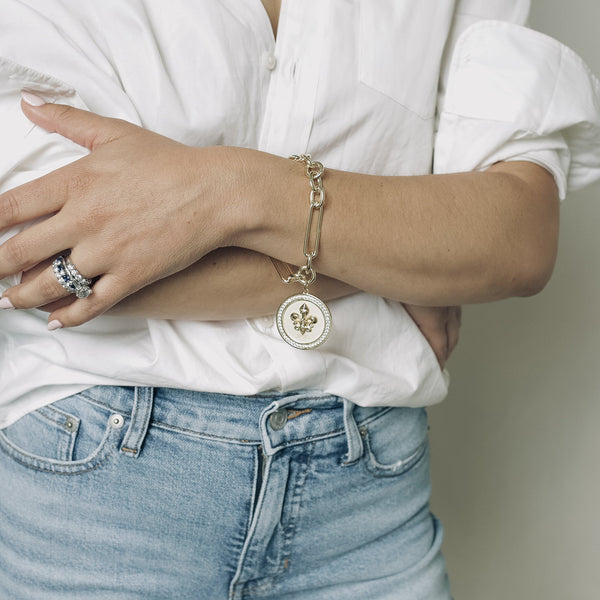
(70, 278)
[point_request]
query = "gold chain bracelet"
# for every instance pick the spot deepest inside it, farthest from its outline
(303, 320)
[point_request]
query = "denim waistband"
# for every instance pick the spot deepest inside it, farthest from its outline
(276, 421)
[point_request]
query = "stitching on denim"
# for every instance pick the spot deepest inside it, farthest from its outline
(297, 497)
(107, 406)
(292, 414)
(65, 415)
(66, 440)
(206, 435)
(17, 454)
(137, 419)
(267, 582)
(203, 435)
(312, 438)
(376, 416)
(50, 471)
(377, 469)
(236, 585)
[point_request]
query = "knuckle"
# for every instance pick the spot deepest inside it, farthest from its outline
(78, 183)
(9, 209)
(63, 112)
(50, 289)
(92, 220)
(16, 252)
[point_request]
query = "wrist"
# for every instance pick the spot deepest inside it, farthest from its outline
(221, 180)
(270, 206)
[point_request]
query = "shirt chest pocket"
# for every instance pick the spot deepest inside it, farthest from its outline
(400, 45)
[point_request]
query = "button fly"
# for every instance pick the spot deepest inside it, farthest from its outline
(278, 419)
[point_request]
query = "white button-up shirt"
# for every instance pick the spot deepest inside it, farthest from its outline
(387, 87)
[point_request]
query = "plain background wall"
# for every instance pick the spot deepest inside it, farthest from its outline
(516, 446)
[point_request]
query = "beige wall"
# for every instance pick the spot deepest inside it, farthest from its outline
(516, 446)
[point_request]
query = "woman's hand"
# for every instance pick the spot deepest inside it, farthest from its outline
(138, 208)
(439, 325)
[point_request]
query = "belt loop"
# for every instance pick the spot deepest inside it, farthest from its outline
(353, 437)
(140, 420)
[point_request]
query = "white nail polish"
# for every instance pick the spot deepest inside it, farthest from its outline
(53, 325)
(6, 303)
(32, 99)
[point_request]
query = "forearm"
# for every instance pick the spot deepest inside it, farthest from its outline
(233, 283)
(430, 240)
(230, 283)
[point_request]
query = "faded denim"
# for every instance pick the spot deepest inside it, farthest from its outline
(141, 493)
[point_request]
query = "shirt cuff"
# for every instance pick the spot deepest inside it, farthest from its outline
(516, 94)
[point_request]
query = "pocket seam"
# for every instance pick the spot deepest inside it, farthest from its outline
(102, 453)
(400, 467)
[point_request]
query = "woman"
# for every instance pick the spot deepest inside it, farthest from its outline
(205, 456)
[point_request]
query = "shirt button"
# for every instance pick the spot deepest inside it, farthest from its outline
(269, 61)
(278, 419)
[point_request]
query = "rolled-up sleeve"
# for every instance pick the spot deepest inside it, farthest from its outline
(516, 94)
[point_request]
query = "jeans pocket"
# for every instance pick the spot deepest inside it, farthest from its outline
(395, 441)
(70, 436)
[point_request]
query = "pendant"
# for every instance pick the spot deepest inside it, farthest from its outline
(303, 321)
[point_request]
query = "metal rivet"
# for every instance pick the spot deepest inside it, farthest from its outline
(116, 421)
(278, 419)
(69, 424)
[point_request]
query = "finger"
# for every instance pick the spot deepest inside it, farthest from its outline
(32, 273)
(42, 289)
(52, 306)
(453, 324)
(106, 292)
(32, 246)
(81, 126)
(441, 346)
(42, 196)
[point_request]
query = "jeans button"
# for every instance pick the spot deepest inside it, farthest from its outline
(278, 419)
(116, 421)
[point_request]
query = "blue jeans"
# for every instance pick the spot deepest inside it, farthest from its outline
(142, 493)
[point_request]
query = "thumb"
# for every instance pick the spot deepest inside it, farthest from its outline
(80, 126)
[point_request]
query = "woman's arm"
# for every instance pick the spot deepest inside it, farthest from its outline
(233, 283)
(141, 207)
(427, 240)
(229, 283)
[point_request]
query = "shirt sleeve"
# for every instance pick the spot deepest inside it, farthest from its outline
(515, 94)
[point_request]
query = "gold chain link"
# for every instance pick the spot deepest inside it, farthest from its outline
(314, 171)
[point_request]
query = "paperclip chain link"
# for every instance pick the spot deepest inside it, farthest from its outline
(314, 171)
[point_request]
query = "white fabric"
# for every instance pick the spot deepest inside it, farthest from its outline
(355, 83)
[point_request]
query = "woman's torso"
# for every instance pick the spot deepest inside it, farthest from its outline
(353, 83)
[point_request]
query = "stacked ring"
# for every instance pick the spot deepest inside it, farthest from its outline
(70, 278)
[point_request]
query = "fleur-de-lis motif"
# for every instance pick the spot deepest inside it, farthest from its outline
(303, 322)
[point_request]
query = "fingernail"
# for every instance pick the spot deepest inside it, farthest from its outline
(32, 99)
(6, 303)
(53, 325)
